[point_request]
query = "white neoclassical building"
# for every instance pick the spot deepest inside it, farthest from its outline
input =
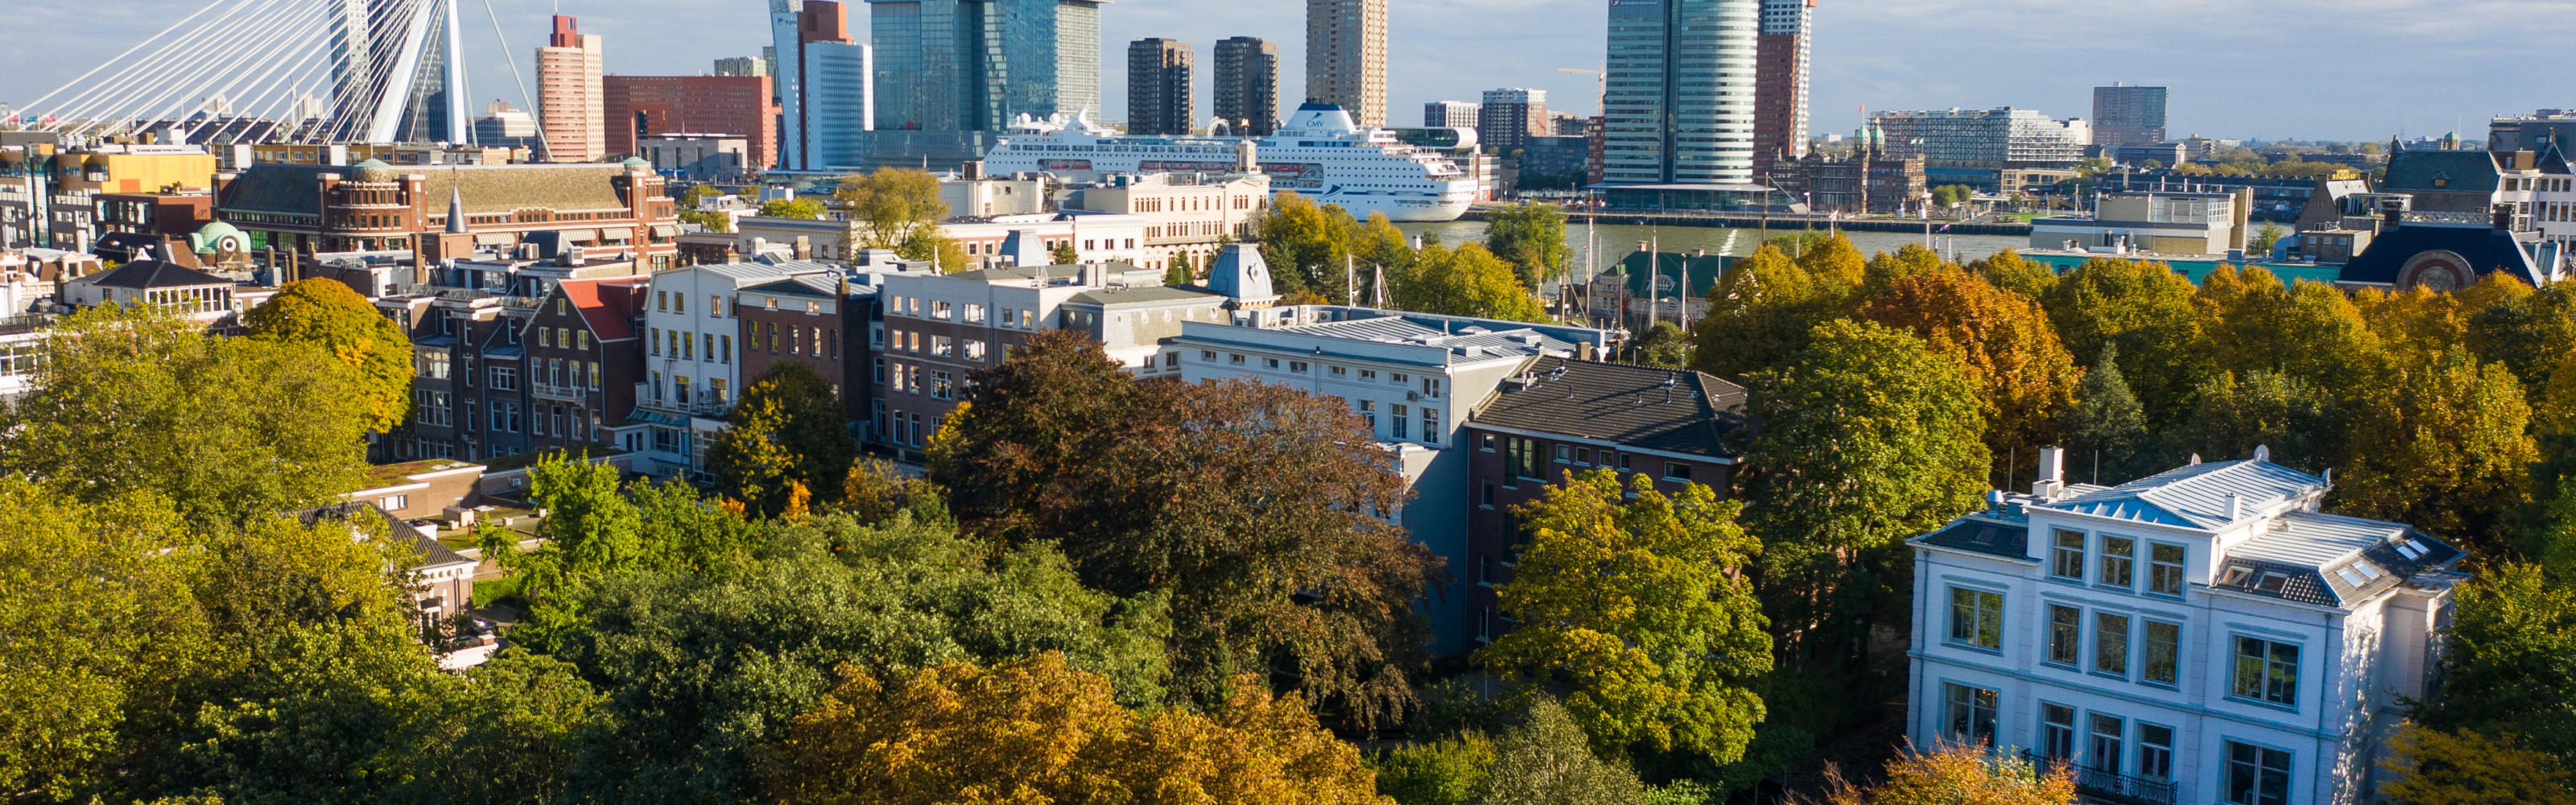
(2205, 635)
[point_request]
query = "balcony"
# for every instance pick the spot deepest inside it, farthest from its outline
(2120, 789)
(551, 391)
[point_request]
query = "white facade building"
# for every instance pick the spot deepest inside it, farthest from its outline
(2205, 635)
(692, 372)
(1415, 377)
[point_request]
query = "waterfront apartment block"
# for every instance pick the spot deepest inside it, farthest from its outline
(1346, 57)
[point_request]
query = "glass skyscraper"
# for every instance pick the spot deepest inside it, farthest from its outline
(973, 65)
(1679, 108)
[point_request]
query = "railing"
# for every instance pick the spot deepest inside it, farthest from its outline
(552, 391)
(2113, 786)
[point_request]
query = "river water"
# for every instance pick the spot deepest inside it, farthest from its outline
(1619, 241)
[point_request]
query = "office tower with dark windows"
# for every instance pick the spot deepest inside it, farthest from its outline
(1346, 57)
(2125, 115)
(1780, 86)
(974, 65)
(1679, 107)
(1158, 86)
(1247, 85)
(1510, 117)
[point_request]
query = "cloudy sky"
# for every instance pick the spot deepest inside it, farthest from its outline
(2346, 69)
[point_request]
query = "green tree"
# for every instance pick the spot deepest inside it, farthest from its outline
(805, 208)
(1466, 282)
(1952, 195)
(1663, 346)
(2230, 416)
(1639, 602)
(1532, 238)
(2108, 424)
(694, 197)
(1450, 771)
(894, 208)
(1868, 438)
(327, 314)
(2434, 767)
(1028, 427)
(1547, 760)
(2510, 668)
(1180, 272)
(502, 735)
(2264, 239)
(1064, 255)
(790, 429)
(136, 400)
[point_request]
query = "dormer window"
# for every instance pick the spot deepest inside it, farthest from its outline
(2406, 547)
(2272, 582)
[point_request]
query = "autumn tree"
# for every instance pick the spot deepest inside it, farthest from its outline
(1449, 771)
(326, 313)
(1767, 307)
(1531, 237)
(2307, 331)
(2010, 271)
(2529, 331)
(2025, 380)
(1639, 601)
(1028, 427)
(895, 208)
(1548, 760)
(1868, 437)
(790, 429)
(1303, 242)
(132, 400)
(2443, 443)
(1959, 775)
(2435, 767)
(1260, 510)
(805, 208)
(1038, 730)
(1467, 282)
(2144, 308)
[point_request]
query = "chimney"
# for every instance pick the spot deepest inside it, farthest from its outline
(2235, 507)
(2052, 473)
(804, 248)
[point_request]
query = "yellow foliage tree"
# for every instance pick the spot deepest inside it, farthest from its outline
(2466, 768)
(2025, 378)
(1959, 775)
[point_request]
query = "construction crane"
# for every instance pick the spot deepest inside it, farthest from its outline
(1601, 77)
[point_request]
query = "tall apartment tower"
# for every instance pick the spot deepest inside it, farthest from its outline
(826, 87)
(1508, 118)
(973, 65)
(1780, 89)
(1451, 115)
(1158, 86)
(1346, 57)
(1247, 84)
(1679, 106)
(2124, 115)
(569, 99)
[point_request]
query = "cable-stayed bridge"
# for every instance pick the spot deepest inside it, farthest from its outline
(331, 71)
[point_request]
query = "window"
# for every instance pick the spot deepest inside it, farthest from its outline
(940, 387)
(1485, 442)
(2163, 656)
(1583, 456)
(1977, 618)
(2065, 635)
(582, 337)
(662, 300)
(2110, 644)
(2068, 555)
(941, 347)
(975, 352)
(2164, 568)
(1970, 715)
(1485, 571)
(2056, 732)
(724, 344)
(941, 309)
(2267, 671)
(679, 303)
(1485, 494)
(505, 378)
(974, 314)
(1270, 363)
(2104, 754)
(1431, 426)
(2155, 752)
(715, 306)
(1523, 458)
(394, 503)
(435, 366)
(880, 370)
(2257, 775)
(1564, 453)
(1677, 472)
(1368, 374)
(1235, 358)
(1399, 379)
(2119, 557)
(1339, 371)
(1297, 366)
(1368, 411)
(1395, 419)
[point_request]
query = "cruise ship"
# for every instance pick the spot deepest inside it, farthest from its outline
(1320, 153)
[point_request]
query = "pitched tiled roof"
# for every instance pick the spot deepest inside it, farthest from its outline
(431, 553)
(1656, 409)
(603, 303)
(2459, 172)
(147, 274)
(279, 188)
(2010, 540)
(2330, 561)
(2194, 496)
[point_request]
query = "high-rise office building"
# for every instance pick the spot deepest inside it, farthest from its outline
(642, 107)
(569, 96)
(826, 87)
(1679, 106)
(743, 67)
(2124, 115)
(1247, 84)
(973, 65)
(1451, 115)
(1780, 86)
(1346, 57)
(1158, 86)
(1510, 117)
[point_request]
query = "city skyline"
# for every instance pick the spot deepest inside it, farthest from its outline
(1883, 54)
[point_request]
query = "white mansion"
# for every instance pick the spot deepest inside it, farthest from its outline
(2200, 636)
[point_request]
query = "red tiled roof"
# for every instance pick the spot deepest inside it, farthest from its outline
(608, 304)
